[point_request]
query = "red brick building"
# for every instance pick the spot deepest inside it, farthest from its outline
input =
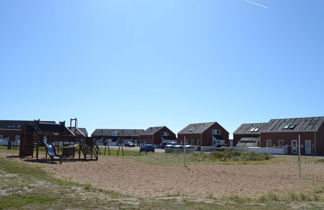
(116, 136)
(156, 135)
(285, 132)
(249, 134)
(11, 130)
(204, 134)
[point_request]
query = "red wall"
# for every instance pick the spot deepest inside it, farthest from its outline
(320, 141)
(288, 137)
(237, 137)
(11, 134)
(156, 137)
(193, 139)
(206, 136)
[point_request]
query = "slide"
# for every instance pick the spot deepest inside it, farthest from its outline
(52, 152)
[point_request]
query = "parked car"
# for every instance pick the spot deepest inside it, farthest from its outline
(147, 148)
(179, 148)
(164, 144)
(129, 144)
(221, 147)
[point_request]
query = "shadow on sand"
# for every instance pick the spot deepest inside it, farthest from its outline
(48, 160)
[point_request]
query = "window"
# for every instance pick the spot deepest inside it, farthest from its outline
(281, 143)
(294, 146)
(192, 142)
(17, 137)
(192, 129)
(254, 129)
(165, 134)
(114, 133)
(216, 132)
(1, 136)
(269, 143)
(291, 127)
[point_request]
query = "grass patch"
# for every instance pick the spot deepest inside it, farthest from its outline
(291, 197)
(193, 158)
(238, 156)
(237, 199)
(114, 152)
(21, 169)
(319, 160)
(14, 201)
(235, 157)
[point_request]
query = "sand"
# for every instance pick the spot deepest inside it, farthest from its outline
(145, 180)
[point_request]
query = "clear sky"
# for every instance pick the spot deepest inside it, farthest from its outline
(141, 63)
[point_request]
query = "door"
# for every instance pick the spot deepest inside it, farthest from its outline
(308, 147)
(294, 147)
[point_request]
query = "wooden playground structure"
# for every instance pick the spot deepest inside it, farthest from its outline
(60, 142)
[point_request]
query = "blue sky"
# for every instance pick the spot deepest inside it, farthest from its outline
(141, 63)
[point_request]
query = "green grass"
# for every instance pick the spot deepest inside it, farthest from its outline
(319, 160)
(114, 152)
(194, 158)
(236, 156)
(14, 201)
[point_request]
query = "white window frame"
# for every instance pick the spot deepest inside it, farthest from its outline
(283, 143)
(267, 143)
(17, 138)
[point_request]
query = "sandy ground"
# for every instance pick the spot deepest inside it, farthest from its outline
(139, 179)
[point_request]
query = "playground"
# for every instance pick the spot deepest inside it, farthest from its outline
(52, 137)
(158, 181)
(136, 178)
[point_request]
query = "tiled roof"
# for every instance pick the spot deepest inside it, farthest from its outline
(307, 124)
(79, 131)
(152, 130)
(17, 124)
(117, 132)
(251, 128)
(52, 129)
(196, 128)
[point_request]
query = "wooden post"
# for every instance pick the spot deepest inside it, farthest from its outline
(105, 143)
(118, 150)
(37, 147)
(184, 152)
(299, 160)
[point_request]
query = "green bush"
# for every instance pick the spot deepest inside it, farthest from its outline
(237, 155)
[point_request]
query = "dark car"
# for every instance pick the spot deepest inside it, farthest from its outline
(129, 144)
(147, 148)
